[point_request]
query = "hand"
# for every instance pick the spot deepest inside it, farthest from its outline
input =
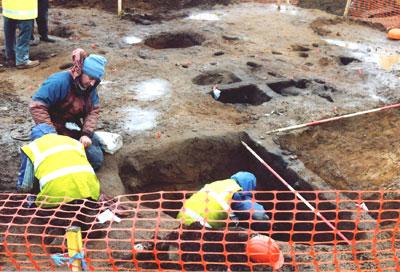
(85, 140)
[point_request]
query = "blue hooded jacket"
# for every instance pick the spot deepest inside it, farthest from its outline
(243, 199)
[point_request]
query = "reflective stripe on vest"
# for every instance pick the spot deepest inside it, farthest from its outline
(197, 217)
(31, 14)
(219, 197)
(63, 172)
(210, 204)
(20, 9)
(40, 157)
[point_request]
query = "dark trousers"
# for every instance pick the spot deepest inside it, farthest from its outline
(42, 19)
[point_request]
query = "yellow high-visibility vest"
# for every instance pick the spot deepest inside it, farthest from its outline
(63, 171)
(20, 9)
(210, 206)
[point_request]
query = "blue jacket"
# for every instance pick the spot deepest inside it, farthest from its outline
(244, 199)
(60, 100)
(57, 87)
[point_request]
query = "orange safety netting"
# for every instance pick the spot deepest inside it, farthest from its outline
(149, 237)
(385, 12)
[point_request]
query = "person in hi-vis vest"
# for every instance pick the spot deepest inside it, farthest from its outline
(19, 14)
(215, 202)
(59, 165)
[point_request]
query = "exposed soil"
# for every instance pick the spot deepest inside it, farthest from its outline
(305, 65)
(336, 7)
(348, 153)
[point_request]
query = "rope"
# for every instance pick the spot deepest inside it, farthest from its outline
(63, 259)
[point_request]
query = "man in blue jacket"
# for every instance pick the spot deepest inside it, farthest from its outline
(68, 101)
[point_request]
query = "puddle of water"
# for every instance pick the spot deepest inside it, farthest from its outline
(151, 89)
(132, 40)
(204, 16)
(137, 119)
(289, 10)
(347, 44)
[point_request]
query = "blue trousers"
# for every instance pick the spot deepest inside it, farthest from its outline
(17, 48)
(94, 153)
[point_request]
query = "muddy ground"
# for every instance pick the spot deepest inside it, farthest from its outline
(273, 68)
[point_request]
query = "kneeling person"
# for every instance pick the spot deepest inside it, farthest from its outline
(210, 206)
(60, 166)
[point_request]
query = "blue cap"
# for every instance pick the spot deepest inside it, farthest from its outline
(246, 180)
(94, 66)
(41, 130)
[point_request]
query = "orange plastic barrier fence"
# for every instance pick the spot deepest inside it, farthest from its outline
(385, 12)
(148, 237)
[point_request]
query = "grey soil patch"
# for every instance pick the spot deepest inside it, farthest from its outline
(319, 25)
(62, 31)
(174, 40)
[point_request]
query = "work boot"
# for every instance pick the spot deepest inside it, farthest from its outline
(47, 39)
(29, 64)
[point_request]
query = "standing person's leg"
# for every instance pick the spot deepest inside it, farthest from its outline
(94, 153)
(22, 47)
(10, 28)
(43, 20)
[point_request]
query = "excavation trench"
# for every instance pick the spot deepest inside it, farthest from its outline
(167, 40)
(291, 87)
(241, 93)
(188, 164)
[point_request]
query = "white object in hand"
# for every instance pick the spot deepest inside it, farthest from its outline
(110, 142)
(72, 126)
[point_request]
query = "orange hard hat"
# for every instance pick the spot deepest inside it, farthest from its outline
(263, 249)
(394, 34)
